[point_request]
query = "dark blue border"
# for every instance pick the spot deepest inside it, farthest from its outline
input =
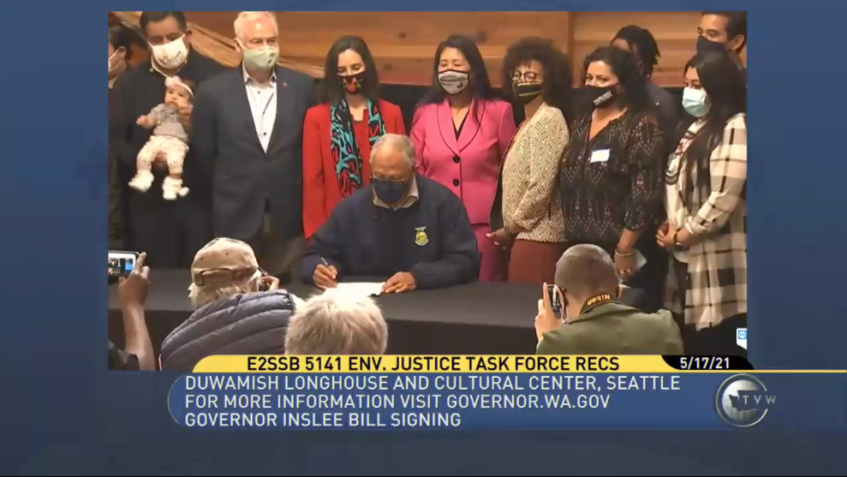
(61, 413)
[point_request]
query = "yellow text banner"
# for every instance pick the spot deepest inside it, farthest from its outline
(433, 364)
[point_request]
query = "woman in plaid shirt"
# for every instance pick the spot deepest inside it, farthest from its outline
(706, 226)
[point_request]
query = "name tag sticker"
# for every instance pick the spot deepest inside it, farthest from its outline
(600, 156)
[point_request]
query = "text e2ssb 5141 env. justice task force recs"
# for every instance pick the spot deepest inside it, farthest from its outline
(431, 363)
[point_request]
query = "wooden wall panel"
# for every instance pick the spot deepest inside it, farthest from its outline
(675, 32)
(403, 43)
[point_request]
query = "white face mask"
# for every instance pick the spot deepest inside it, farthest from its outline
(171, 55)
(453, 82)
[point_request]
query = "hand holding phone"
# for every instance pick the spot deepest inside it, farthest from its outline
(268, 282)
(133, 288)
(121, 264)
(548, 319)
(555, 299)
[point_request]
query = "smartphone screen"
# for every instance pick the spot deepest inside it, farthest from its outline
(555, 299)
(121, 264)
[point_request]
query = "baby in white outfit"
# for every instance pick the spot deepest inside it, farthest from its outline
(169, 139)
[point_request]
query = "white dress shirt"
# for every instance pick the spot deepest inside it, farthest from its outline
(262, 99)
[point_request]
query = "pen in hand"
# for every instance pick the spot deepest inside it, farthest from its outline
(330, 267)
(326, 275)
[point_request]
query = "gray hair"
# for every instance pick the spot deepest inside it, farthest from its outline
(337, 323)
(399, 143)
(585, 271)
(245, 17)
(203, 295)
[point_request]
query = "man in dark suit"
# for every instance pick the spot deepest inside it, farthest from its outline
(247, 128)
(171, 232)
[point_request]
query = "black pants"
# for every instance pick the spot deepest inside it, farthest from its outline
(716, 340)
(278, 256)
(171, 232)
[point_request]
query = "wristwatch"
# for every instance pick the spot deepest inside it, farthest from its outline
(676, 240)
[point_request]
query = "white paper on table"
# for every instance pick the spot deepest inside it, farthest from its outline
(361, 288)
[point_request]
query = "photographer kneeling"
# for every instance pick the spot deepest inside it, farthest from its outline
(592, 319)
(239, 310)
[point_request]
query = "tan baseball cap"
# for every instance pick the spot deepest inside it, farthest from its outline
(223, 261)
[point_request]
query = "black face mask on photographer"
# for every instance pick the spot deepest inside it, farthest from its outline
(392, 192)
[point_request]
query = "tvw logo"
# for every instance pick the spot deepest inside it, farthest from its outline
(751, 400)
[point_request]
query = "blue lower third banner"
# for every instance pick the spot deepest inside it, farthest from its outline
(509, 401)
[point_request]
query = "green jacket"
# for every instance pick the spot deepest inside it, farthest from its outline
(613, 328)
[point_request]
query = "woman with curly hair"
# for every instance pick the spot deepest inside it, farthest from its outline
(538, 76)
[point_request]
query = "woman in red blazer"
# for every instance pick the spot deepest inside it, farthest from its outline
(338, 133)
(461, 133)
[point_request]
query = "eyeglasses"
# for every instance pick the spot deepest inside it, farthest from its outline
(393, 179)
(527, 75)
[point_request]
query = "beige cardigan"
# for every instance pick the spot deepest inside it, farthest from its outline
(529, 177)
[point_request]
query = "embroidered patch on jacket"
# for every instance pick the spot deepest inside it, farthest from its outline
(421, 238)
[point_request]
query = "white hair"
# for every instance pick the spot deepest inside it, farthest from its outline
(399, 143)
(244, 17)
(337, 323)
(203, 295)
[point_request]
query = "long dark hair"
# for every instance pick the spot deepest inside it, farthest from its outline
(330, 88)
(479, 75)
(634, 97)
(624, 66)
(558, 76)
(727, 92)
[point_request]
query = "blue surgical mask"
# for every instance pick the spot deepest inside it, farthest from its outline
(695, 102)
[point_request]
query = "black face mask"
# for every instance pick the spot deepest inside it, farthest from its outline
(601, 98)
(353, 84)
(527, 92)
(390, 192)
(705, 45)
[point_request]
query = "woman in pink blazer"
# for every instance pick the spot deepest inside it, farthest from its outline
(461, 133)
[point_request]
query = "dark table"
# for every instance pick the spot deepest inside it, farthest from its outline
(478, 318)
